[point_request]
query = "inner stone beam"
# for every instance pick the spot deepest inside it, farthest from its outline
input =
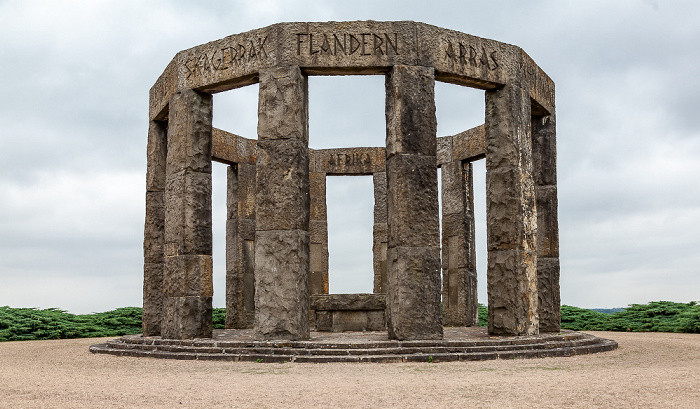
(413, 255)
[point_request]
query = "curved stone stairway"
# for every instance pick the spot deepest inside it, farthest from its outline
(459, 344)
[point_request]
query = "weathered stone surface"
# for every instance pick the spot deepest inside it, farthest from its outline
(547, 221)
(549, 303)
(544, 150)
(282, 284)
(157, 151)
(318, 282)
(361, 47)
(348, 302)
(380, 197)
(246, 229)
(379, 250)
(246, 190)
(188, 276)
(412, 201)
(413, 297)
(230, 148)
(469, 145)
(318, 231)
(189, 132)
(152, 298)
(282, 105)
(512, 292)
(324, 320)
(410, 112)
(349, 161)
(465, 59)
(233, 285)
(444, 150)
(317, 192)
(187, 318)
(318, 254)
(453, 191)
(153, 236)
(282, 200)
(160, 93)
(188, 213)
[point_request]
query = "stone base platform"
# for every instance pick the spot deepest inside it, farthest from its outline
(459, 344)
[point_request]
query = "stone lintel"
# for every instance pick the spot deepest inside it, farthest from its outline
(348, 302)
(348, 161)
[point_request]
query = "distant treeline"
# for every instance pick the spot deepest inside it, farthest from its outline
(18, 324)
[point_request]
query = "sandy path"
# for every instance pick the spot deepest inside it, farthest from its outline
(648, 370)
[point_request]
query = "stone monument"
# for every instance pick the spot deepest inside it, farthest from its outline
(276, 232)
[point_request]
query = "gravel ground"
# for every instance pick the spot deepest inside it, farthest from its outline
(648, 370)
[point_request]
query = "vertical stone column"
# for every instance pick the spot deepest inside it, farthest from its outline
(413, 254)
(380, 234)
(318, 232)
(544, 155)
(459, 297)
(510, 213)
(187, 282)
(240, 247)
(282, 206)
(232, 277)
(153, 262)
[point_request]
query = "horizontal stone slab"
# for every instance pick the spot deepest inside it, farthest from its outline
(347, 161)
(348, 302)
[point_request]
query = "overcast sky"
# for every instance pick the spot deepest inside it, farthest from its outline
(74, 81)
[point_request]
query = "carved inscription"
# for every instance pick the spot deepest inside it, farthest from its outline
(347, 44)
(353, 159)
(227, 57)
(469, 56)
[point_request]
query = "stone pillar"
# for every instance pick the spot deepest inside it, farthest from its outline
(413, 254)
(544, 156)
(240, 247)
(459, 296)
(153, 263)
(318, 234)
(187, 282)
(282, 206)
(511, 218)
(380, 235)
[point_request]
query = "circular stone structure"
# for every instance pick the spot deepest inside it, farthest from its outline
(424, 301)
(458, 344)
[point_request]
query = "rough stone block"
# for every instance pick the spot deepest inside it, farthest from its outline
(318, 282)
(469, 145)
(375, 321)
(282, 284)
(189, 132)
(318, 231)
(188, 276)
(510, 209)
(453, 188)
(547, 221)
(349, 321)
(413, 297)
(282, 201)
(187, 318)
(324, 321)
(152, 298)
(231, 193)
(157, 151)
(318, 254)
(246, 190)
(188, 214)
(231, 244)
(508, 129)
(282, 105)
(380, 232)
(349, 161)
(246, 229)
(379, 250)
(444, 150)
(348, 302)
(380, 197)
(411, 126)
(412, 201)
(317, 192)
(544, 150)
(549, 302)
(512, 292)
(154, 227)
